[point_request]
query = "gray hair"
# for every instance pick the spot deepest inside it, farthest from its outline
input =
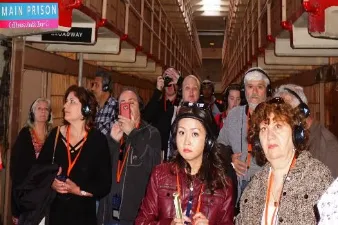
(49, 123)
(282, 90)
(256, 74)
(134, 90)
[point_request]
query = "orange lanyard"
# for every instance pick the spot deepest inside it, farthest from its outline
(248, 161)
(70, 162)
(179, 191)
(119, 166)
(268, 193)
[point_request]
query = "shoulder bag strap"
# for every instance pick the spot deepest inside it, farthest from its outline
(55, 142)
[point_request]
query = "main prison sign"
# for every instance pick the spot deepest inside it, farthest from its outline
(29, 15)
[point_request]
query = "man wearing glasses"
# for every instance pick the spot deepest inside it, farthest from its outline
(256, 88)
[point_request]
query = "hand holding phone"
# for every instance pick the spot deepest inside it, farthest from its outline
(125, 110)
(62, 178)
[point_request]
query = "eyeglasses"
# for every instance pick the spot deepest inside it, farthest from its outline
(203, 106)
(276, 100)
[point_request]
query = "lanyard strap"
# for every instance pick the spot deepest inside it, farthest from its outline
(119, 166)
(269, 192)
(70, 162)
(198, 208)
(248, 160)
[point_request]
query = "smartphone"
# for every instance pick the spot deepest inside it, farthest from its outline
(125, 110)
(62, 178)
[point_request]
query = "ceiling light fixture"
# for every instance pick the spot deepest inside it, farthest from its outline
(211, 5)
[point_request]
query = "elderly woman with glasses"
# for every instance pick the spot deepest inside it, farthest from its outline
(286, 190)
(196, 176)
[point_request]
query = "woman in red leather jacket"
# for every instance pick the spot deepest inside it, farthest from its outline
(196, 173)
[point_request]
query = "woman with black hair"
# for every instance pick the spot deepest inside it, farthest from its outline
(196, 174)
(231, 99)
(83, 157)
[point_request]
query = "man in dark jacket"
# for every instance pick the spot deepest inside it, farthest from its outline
(160, 109)
(135, 149)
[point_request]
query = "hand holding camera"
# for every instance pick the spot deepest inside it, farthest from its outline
(167, 81)
(170, 76)
(160, 83)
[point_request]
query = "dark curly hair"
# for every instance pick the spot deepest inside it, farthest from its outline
(86, 98)
(283, 112)
(212, 172)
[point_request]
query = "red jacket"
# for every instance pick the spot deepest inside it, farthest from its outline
(158, 207)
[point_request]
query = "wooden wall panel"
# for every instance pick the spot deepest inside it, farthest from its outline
(331, 107)
(112, 8)
(330, 111)
(33, 87)
(312, 94)
(59, 85)
(145, 94)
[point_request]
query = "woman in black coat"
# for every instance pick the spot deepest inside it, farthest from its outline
(84, 162)
(28, 145)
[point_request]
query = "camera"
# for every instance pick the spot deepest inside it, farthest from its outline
(167, 80)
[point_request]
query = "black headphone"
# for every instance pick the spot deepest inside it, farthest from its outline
(268, 87)
(209, 141)
(85, 110)
(31, 115)
(106, 81)
(231, 87)
(106, 84)
(304, 108)
(298, 138)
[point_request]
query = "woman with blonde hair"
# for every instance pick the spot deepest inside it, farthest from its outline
(28, 144)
